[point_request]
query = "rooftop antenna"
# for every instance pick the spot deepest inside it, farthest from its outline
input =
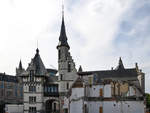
(63, 9)
(37, 44)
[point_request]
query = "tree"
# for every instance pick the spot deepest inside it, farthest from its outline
(148, 100)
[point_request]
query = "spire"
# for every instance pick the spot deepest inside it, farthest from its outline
(80, 69)
(63, 36)
(20, 65)
(120, 65)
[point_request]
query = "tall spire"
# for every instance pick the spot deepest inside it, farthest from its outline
(20, 65)
(63, 36)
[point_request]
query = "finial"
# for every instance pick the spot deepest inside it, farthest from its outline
(62, 9)
(136, 66)
(37, 50)
(37, 43)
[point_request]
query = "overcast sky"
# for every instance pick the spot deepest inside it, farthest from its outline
(98, 31)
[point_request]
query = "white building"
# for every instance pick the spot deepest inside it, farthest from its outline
(110, 91)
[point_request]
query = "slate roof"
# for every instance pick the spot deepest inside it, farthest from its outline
(63, 36)
(112, 73)
(54, 71)
(37, 64)
(119, 72)
(52, 78)
(8, 78)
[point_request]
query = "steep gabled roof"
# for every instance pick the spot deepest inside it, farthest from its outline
(37, 64)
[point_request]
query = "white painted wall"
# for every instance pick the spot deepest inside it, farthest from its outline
(94, 90)
(77, 93)
(107, 90)
(116, 107)
(77, 107)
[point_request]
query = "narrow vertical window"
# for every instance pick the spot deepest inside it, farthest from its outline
(31, 76)
(69, 67)
(101, 92)
(67, 86)
(54, 107)
(59, 54)
(61, 76)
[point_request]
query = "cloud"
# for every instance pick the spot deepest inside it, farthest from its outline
(111, 29)
(22, 23)
(132, 40)
(98, 31)
(97, 22)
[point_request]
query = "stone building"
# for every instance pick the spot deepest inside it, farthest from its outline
(11, 91)
(66, 66)
(40, 87)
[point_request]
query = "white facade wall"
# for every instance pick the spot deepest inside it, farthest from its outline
(77, 106)
(94, 90)
(116, 107)
(107, 90)
(77, 93)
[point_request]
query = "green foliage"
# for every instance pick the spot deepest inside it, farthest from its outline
(147, 100)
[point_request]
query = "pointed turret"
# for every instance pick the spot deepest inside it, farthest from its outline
(80, 69)
(20, 65)
(63, 36)
(19, 69)
(120, 65)
(37, 64)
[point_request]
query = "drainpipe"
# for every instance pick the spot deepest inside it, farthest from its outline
(84, 96)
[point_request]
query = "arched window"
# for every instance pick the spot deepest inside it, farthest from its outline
(54, 107)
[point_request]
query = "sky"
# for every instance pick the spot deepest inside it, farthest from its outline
(98, 31)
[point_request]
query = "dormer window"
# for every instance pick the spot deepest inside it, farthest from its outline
(31, 75)
(31, 72)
